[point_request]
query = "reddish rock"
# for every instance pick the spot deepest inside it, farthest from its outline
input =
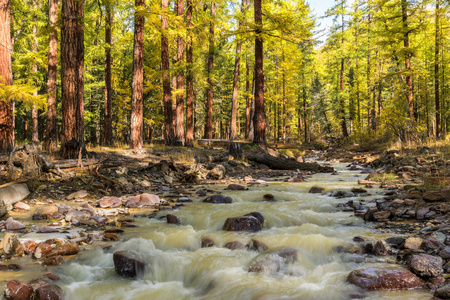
(150, 199)
(234, 245)
(12, 224)
(129, 264)
(44, 248)
(426, 266)
(49, 292)
(51, 276)
(269, 198)
(236, 187)
(17, 290)
(30, 247)
(172, 219)
(250, 224)
(53, 261)
(431, 244)
(207, 242)
(10, 267)
(257, 215)
(111, 236)
(109, 202)
(384, 279)
(445, 253)
(21, 206)
(68, 248)
(218, 199)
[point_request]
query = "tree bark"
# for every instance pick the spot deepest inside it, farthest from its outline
(209, 129)
(137, 93)
(279, 163)
(6, 107)
(52, 143)
(179, 128)
(169, 133)
(34, 111)
(259, 119)
(189, 79)
(107, 129)
(284, 98)
(80, 66)
(247, 98)
(342, 102)
(71, 138)
(436, 72)
(409, 83)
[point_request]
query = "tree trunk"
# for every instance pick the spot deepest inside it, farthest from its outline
(280, 163)
(34, 111)
(305, 113)
(342, 102)
(284, 99)
(169, 133)
(52, 143)
(137, 97)
(189, 79)
(107, 129)
(209, 130)
(259, 119)
(247, 98)
(6, 107)
(71, 137)
(179, 126)
(409, 83)
(436, 72)
(80, 67)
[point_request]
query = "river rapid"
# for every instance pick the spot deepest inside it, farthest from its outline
(181, 269)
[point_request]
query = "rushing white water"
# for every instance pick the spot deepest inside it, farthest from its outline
(181, 269)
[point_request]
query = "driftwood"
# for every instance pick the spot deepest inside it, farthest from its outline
(280, 163)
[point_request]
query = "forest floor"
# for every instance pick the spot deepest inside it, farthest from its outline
(102, 192)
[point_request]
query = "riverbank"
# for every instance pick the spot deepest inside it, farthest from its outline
(93, 206)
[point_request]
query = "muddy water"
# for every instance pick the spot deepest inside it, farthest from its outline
(181, 269)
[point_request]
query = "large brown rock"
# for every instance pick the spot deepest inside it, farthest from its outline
(431, 196)
(443, 292)
(55, 247)
(129, 264)
(218, 199)
(109, 202)
(11, 246)
(236, 187)
(316, 190)
(17, 290)
(47, 210)
(12, 194)
(426, 266)
(49, 292)
(12, 224)
(234, 245)
(384, 279)
(143, 200)
(249, 223)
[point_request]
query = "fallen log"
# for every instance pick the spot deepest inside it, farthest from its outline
(280, 163)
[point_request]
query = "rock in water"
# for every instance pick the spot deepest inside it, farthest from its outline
(172, 219)
(11, 246)
(49, 292)
(384, 279)
(218, 199)
(236, 187)
(426, 266)
(250, 224)
(316, 190)
(274, 261)
(129, 264)
(18, 290)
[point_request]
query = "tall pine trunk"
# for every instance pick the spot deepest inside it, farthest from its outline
(342, 100)
(179, 129)
(137, 93)
(209, 129)
(72, 138)
(6, 107)
(409, 83)
(34, 111)
(51, 133)
(284, 98)
(436, 72)
(189, 79)
(259, 118)
(107, 129)
(247, 98)
(169, 133)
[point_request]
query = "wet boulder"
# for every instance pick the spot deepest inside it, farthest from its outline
(256, 245)
(245, 223)
(426, 266)
(432, 196)
(443, 292)
(17, 290)
(257, 215)
(53, 261)
(207, 242)
(380, 249)
(218, 199)
(49, 292)
(172, 219)
(316, 190)
(236, 187)
(269, 198)
(274, 261)
(129, 264)
(234, 245)
(431, 245)
(55, 247)
(384, 279)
